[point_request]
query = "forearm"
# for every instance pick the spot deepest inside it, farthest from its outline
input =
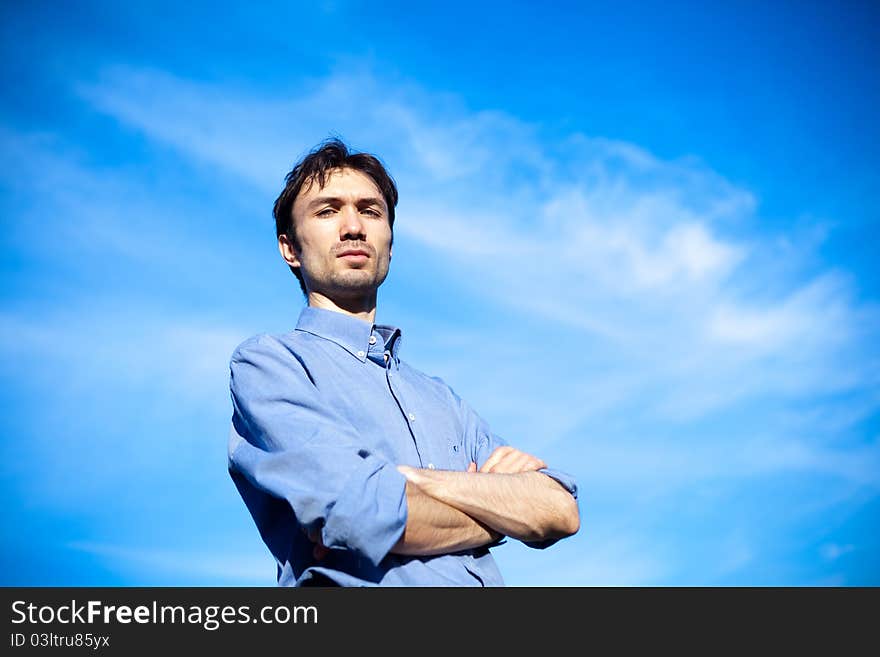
(434, 527)
(529, 506)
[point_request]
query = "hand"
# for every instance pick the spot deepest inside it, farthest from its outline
(509, 460)
(432, 482)
(418, 476)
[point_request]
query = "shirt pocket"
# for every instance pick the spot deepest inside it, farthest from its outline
(457, 453)
(447, 448)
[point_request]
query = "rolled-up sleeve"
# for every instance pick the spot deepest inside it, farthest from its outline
(291, 446)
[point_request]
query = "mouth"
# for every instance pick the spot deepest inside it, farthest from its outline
(356, 255)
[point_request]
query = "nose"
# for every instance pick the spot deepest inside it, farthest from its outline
(352, 224)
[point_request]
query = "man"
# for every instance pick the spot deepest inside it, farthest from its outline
(358, 469)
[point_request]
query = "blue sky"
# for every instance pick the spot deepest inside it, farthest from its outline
(638, 239)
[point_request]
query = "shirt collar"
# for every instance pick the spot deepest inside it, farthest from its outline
(350, 333)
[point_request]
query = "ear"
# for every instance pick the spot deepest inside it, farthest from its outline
(287, 250)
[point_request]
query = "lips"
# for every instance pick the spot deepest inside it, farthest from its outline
(353, 252)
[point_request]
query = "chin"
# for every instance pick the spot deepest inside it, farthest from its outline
(355, 285)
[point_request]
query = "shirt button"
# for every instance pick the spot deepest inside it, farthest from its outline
(386, 357)
(412, 418)
(360, 354)
(372, 339)
(430, 466)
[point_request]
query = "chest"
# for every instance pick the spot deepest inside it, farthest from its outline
(397, 414)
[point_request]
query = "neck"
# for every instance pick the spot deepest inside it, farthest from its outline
(364, 308)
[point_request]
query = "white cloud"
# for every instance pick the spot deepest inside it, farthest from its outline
(648, 299)
(672, 463)
(655, 259)
(117, 349)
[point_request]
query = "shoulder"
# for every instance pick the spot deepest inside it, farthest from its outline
(268, 348)
(255, 344)
(264, 361)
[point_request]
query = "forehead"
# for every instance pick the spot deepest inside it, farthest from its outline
(345, 183)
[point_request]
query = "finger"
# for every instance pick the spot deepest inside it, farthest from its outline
(517, 461)
(495, 457)
(414, 476)
(472, 467)
(511, 463)
(503, 465)
(527, 462)
(411, 474)
(531, 463)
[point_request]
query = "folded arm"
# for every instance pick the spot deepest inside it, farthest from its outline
(433, 527)
(529, 506)
(288, 446)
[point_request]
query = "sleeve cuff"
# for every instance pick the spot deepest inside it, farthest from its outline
(565, 480)
(370, 516)
(568, 483)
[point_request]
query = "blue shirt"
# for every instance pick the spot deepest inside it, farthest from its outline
(322, 416)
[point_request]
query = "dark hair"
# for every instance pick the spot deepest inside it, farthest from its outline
(315, 168)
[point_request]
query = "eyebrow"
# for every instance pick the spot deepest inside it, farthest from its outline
(335, 200)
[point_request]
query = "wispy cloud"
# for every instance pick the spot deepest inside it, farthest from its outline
(654, 332)
(177, 359)
(660, 262)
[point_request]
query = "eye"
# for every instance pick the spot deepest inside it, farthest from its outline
(373, 210)
(326, 212)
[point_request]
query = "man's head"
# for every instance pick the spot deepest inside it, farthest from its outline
(335, 202)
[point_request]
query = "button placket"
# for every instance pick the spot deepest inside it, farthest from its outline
(402, 405)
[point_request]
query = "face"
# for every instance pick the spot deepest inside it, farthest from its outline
(343, 234)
